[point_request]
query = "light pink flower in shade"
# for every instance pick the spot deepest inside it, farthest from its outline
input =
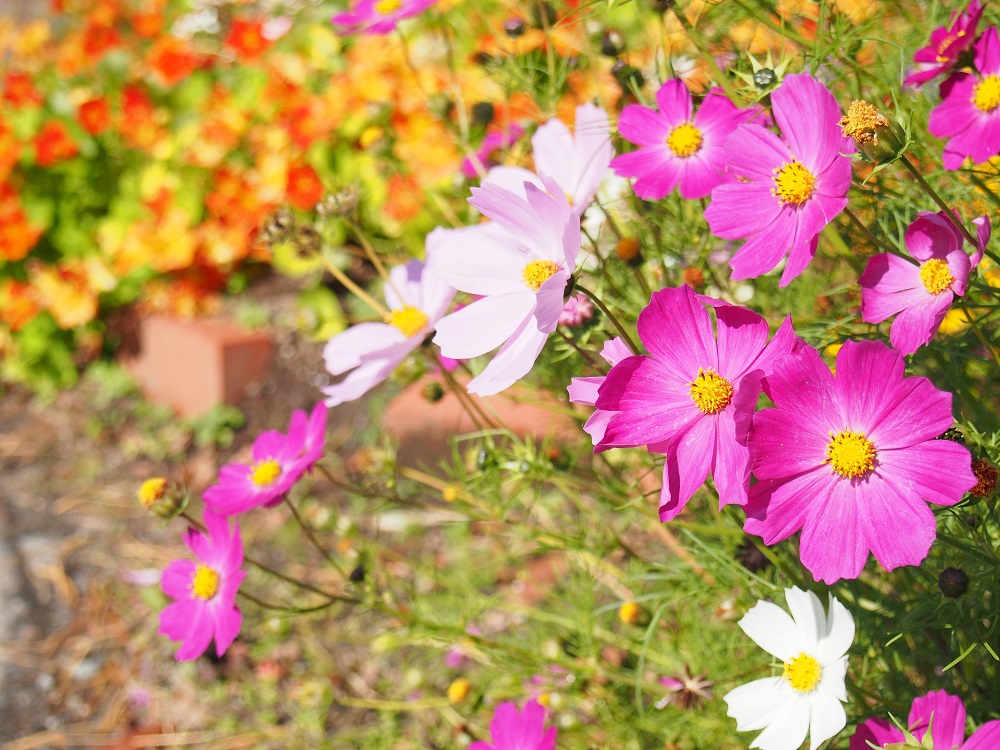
(204, 592)
(518, 730)
(584, 390)
(947, 44)
(943, 713)
(577, 311)
(243, 487)
(379, 16)
(851, 459)
(487, 156)
(577, 161)
(969, 112)
(676, 147)
(785, 189)
(693, 396)
(417, 298)
(920, 294)
(519, 264)
(309, 433)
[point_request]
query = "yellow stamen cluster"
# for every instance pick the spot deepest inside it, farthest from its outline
(935, 275)
(265, 473)
(385, 7)
(710, 391)
(793, 183)
(538, 272)
(850, 454)
(151, 491)
(410, 320)
(861, 120)
(946, 43)
(986, 94)
(205, 583)
(803, 673)
(684, 140)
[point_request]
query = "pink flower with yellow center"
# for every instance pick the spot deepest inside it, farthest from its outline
(379, 16)
(969, 113)
(939, 714)
(585, 390)
(947, 45)
(852, 460)
(920, 294)
(785, 189)
(204, 592)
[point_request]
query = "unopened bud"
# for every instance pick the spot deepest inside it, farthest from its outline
(433, 392)
(162, 498)
(633, 613)
(514, 27)
(458, 690)
(612, 43)
(628, 250)
(880, 139)
(953, 582)
(764, 79)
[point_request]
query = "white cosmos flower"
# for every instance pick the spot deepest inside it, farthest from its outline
(805, 699)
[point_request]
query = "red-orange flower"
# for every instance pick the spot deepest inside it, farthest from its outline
(246, 38)
(405, 198)
(99, 39)
(10, 150)
(304, 188)
(18, 303)
(19, 90)
(95, 115)
(147, 25)
(17, 234)
(54, 144)
(172, 60)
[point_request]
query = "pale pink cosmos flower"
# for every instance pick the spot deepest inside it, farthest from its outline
(920, 294)
(852, 460)
(379, 16)
(577, 311)
(693, 396)
(938, 711)
(519, 264)
(585, 390)
(785, 190)
(677, 147)
(577, 161)
(946, 46)
(417, 298)
(204, 592)
(518, 730)
(969, 112)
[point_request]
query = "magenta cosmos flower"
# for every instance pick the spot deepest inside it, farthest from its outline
(786, 189)
(676, 148)
(520, 264)
(693, 397)
(308, 432)
(852, 460)
(969, 113)
(379, 16)
(577, 161)
(518, 730)
(943, 713)
(584, 390)
(947, 45)
(417, 298)
(488, 155)
(204, 592)
(921, 293)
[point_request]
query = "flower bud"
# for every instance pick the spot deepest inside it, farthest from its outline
(162, 498)
(880, 139)
(433, 392)
(458, 690)
(629, 250)
(612, 43)
(633, 613)
(764, 79)
(277, 227)
(343, 202)
(514, 27)
(953, 582)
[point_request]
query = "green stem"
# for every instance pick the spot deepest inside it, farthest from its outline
(721, 78)
(949, 214)
(312, 537)
(604, 308)
(979, 333)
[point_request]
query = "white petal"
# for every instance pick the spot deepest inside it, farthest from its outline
(360, 343)
(483, 325)
(482, 259)
(514, 360)
(810, 619)
(839, 633)
(832, 678)
(403, 286)
(826, 716)
(789, 727)
(511, 178)
(773, 630)
(755, 704)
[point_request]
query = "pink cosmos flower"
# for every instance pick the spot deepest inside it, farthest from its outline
(943, 713)
(204, 593)
(487, 155)
(309, 432)
(851, 459)
(379, 16)
(242, 487)
(585, 390)
(577, 311)
(921, 293)
(969, 113)
(577, 161)
(518, 730)
(676, 148)
(417, 298)
(520, 264)
(789, 188)
(693, 397)
(947, 45)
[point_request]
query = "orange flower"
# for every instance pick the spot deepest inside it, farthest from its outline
(18, 303)
(99, 39)
(172, 60)
(405, 198)
(19, 90)
(69, 290)
(147, 25)
(246, 38)
(304, 188)
(10, 150)
(54, 144)
(95, 115)
(138, 124)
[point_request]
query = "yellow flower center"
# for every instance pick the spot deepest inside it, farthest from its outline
(151, 491)
(265, 473)
(538, 272)
(986, 94)
(205, 583)
(711, 392)
(945, 43)
(793, 183)
(684, 140)
(850, 454)
(385, 7)
(409, 320)
(861, 121)
(802, 673)
(935, 275)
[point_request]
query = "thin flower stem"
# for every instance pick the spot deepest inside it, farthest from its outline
(869, 234)
(308, 532)
(352, 287)
(604, 308)
(294, 610)
(721, 78)
(938, 200)
(979, 333)
(472, 408)
(585, 354)
(369, 250)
